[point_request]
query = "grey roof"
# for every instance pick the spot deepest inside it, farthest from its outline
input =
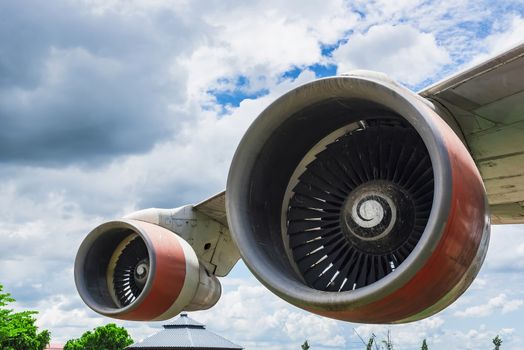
(185, 333)
(184, 320)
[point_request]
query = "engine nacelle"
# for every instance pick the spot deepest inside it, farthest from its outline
(351, 198)
(134, 270)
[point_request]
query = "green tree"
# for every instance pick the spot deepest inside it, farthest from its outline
(497, 342)
(388, 344)
(108, 337)
(424, 345)
(18, 330)
(369, 345)
(305, 346)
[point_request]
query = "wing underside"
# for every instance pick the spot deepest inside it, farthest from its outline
(487, 102)
(214, 207)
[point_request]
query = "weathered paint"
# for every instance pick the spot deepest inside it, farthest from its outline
(169, 275)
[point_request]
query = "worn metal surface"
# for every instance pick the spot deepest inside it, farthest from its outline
(487, 102)
(210, 239)
(214, 207)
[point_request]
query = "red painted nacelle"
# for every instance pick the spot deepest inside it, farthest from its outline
(134, 270)
(350, 197)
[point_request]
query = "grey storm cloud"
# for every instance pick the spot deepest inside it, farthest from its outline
(77, 86)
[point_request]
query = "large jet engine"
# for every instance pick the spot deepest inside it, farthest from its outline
(350, 197)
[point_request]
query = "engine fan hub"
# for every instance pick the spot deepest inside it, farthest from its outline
(141, 272)
(377, 215)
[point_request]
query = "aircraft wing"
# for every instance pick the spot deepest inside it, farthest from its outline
(214, 207)
(487, 102)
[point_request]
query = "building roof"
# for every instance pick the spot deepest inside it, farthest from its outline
(54, 347)
(185, 333)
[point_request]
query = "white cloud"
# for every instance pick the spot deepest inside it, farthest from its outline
(152, 53)
(250, 314)
(477, 338)
(512, 305)
(507, 34)
(510, 241)
(499, 302)
(401, 51)
(262, 40)
(59, 314)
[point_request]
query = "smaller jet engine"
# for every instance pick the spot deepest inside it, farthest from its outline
(135, 270)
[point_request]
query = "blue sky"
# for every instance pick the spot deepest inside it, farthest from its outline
(107, 107)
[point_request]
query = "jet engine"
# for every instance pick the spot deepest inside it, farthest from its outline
(135, 270)
(350, 197)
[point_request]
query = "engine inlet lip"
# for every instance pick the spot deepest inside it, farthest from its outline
(393, 97)
(80, 263)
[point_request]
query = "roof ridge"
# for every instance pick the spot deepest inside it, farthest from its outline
(185, 333)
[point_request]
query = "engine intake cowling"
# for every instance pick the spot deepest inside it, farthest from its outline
(135, 270)
(350, 197)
